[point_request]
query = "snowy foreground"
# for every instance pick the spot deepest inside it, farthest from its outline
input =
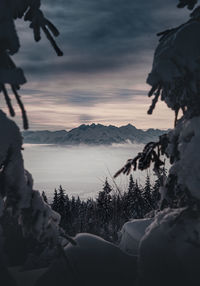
(93, 261)
(151, 252)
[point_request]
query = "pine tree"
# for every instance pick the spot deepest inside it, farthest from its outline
(138, 203)
(130, 197)
(147, 195)
(73, 208)
(156, 194)
(61, 205)
(68, 215)
(117, 219)
(103, 202)
(90, 216)
(55, 201)
(104, 209)
(128, 200)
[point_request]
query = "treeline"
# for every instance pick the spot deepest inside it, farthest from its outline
(105, 215)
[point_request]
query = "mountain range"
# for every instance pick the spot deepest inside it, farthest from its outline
(94, 134)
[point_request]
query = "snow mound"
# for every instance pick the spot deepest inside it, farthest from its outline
(131, 234)
(93, 261)
(170, 250)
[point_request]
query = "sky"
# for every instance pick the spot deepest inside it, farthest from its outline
(108, 50)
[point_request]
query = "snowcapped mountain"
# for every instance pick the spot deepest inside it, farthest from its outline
(94, 134)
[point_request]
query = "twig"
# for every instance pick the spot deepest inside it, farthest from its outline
(24, 116)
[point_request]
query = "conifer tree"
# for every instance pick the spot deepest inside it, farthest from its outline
(104, 207)
(61, 205)
(156, 195)
(138, 203)
(103, 202)
(128, 200)
(90, 216)
(130, 196)
(68, 215)
(55, 201)
(147, 195)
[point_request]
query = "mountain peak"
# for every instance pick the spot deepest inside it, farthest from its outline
(93, 134)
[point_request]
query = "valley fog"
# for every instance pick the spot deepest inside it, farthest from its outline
(81, 170)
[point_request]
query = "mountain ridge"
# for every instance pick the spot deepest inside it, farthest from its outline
(93, 134)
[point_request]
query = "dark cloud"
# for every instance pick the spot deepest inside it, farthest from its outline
(108, 49)
(98, 35)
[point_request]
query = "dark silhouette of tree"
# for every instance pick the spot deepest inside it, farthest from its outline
(104, 206)
(44, 197)
(147, 195)
(105, 215)
(62, 206)
(91, 216)
(55, 201)
(128, 200)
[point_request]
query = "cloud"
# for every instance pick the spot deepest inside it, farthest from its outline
(108, 50)
(81, 98)
(98, 35)
(84, 118)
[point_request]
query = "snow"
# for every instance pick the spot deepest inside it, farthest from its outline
(169, 251)
(187, 167)
(94, 134)
(131, 234)
(17, 187)
(176, 65)
(93, 261)
(10, 146)
(24, 278)
(174, 53)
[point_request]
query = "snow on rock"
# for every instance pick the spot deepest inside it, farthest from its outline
(170, 249)
(93, 261)
(131, 234)
(185, 139)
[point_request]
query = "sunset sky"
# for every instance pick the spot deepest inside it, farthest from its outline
(108, 49)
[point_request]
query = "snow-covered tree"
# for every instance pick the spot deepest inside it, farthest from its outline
(174, 234)
(17, 195)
